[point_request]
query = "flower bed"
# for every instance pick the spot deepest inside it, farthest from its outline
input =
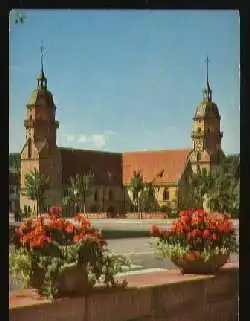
(197, 242)
(61, 258)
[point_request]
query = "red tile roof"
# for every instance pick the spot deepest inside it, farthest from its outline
(107, 167)
(169, 163)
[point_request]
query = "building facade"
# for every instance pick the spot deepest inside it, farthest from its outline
(169, 170)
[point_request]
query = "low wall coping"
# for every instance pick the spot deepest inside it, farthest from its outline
(30, 297)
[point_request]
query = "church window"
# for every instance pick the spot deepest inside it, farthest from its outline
(199, 129)
(165, 194)
(198, 156)
(30, 117)
(29, 148)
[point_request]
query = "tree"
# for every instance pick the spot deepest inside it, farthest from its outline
(202, 183)
(81, 186)
(226, 197)
(147, 197)
(136, 187)
(221, 186)
(36, 185)
(14, 162)
(20, 18)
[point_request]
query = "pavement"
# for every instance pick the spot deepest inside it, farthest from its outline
(135, 224)
(132, 224)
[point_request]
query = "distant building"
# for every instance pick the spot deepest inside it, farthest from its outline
(168, 169)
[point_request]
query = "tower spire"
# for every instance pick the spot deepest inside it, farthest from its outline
(42, 80)
(207, 92)
(207, 61)
(42, 51)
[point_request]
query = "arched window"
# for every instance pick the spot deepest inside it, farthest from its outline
(30, 117)
(165, 194)
(29, 148)
(198, 156)
(110, 195)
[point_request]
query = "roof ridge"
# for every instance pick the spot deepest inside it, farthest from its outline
(159, 150)
(87, 150)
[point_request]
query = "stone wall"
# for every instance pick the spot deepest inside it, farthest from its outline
(158, 296)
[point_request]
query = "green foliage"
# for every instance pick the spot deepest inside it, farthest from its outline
(52, 266)
(221, 186)
(20, 18)
(36, 185)
(202, 182)
(81, 186)
(136, 187)
(226, 196)
(147, 198)
(112, 265)
(14, 162)
(20, 265)
(102, 266)
(164, 249)
(143, 194)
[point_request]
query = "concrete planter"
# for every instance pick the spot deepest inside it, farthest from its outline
(72, 282)
(194, 263)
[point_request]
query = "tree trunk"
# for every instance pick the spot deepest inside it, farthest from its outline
(139, 209)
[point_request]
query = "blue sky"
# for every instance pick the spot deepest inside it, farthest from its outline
(127, 80)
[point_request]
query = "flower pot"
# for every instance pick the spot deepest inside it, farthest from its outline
(37, 278)
(73, 281)
(194, 263)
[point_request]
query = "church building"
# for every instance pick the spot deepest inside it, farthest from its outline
(169, 170)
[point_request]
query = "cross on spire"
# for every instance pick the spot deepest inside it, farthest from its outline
(42, 81)
(42, 53)
(207, 61)
(207, 92)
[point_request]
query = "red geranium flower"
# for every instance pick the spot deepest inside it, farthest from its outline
(155, 230)
(214, 237)
(206, 234)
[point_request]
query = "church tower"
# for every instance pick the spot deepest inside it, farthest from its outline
(206, 135)
(40, 150)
